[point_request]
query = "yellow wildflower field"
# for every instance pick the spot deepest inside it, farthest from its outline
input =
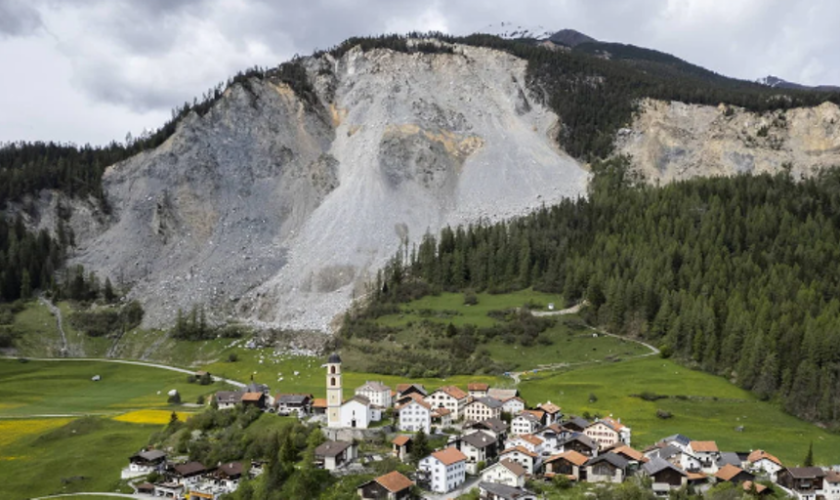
(13, 429)
(154, 417)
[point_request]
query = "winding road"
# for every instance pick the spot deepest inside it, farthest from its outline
(516, 376)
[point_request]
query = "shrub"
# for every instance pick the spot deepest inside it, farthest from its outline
(233, 357)
(470, 299)
(200, 400)
(664, 414)
(561, 482)
(593, 398)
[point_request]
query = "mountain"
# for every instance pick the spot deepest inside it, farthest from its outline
(278, 198)
(778, 83)
(570, 38)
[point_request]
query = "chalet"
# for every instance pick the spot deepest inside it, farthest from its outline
(729, 458)
(677, 440)
(228, 475)
(831, 485)
(332, 455)
(608, 432)
(319, 406)
(575, 424)
(762, 463)
(415, 416)
(256, 399)
(145, 462)
(513, 406)
(262, 388)
(529, 460)
(606, 468)
(404, 390)
(505, 472)
(187, 474)
(402, 447)
(664, 475)
(581, 444)
(678, 457)
(450, 397)
(482, 409)
(552, 436)
(145, 488)
(524, 423)
(570, 464)
(495, 426)
(756, 488)
(495, 491)
(441, 417)
(477, 390)
(478, 447)
(444, 470)
(804, 483)
(552, 412)
(293, 404)
(391, 486)
(708, 454)
(733, 474)
(226, 400)
(541, 416)
(528, 441)
(377, 393)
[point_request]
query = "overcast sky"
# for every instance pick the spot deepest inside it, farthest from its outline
(92, 70)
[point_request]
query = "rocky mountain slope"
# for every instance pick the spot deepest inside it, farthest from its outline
(277, 210)
(672, 141)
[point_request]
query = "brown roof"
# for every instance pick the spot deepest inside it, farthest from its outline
(418, 400)
(570, 456)
(319, 403)
(439, 412)
(477, 386)
(615, 424)
(760, 454)
(520, 449)
(694, 476)
(230, 469)
(401, 440)
(537, 413)
(727, 472)
(832, 477)
(534, 440)
(394, 482)
(703, 446)
(630, 453)
(549, 408)
(759, 488)
(331, 448)
(252, 396)
(190, 469)
(455, 392)
(513, 467)
(449, 456)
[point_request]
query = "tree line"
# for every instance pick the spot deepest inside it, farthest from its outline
(734, 276)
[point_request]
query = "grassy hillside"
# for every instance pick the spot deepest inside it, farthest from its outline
(65, 387)
(704, 407)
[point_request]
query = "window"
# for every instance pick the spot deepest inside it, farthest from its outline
(332, 369)
(332, 381)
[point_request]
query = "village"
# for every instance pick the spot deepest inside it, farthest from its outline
(496, 444)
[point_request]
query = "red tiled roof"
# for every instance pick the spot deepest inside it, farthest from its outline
(703, 446)
(455, 392)
(759, 488)
(630, 453)
(401, 440)
(394, 482)
(513, 467)
(253, 396)
(477, 386)
(534, 440)
(760, 454)
(520, 449)
(571, 456)
(549, 408)
(319, 403)
(449, 456)
(727, 472)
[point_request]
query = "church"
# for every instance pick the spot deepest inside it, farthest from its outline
(355, 413)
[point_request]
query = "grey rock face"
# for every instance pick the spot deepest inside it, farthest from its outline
(277, 212)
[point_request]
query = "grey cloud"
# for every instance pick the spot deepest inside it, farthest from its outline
(17, 18)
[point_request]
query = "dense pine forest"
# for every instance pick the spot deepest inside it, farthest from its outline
(735, 276)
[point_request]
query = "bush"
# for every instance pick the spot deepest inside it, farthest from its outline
(200, 400)
(593, 398)
(663, 414)
(233, 357)
(666, 351)
(470, 299)
(561, 482)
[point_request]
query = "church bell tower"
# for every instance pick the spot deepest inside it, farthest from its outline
(334, 391)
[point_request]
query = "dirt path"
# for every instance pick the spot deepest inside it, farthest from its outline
(234, 383)
(55, 311)
(517, 376)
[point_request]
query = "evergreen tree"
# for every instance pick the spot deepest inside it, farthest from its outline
(809, 458)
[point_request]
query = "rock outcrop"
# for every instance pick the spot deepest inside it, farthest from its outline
(672, 141)
(277, 211)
